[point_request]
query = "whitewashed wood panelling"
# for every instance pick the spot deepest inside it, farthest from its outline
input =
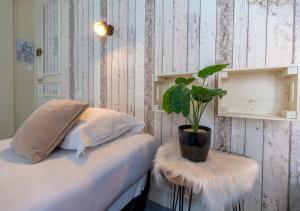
(180, 30)
(71, 44)
(208, 53)
(139, 58)
(79, 51)
(96, 51)
(254, 149)
(109, 57)
(165, 36)
(103, 60)
(149, 64)
(224, 49)
(294, 182)
(158, 56)
(277, 134)
(51, 38)
(256, 54)
(123, 59)
(115, 56)
(87, 52)
(131, 56)
(193, 40)
(239, 60)
(275, 165)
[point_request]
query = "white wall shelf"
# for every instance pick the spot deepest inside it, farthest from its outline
(160, 84)
(260, 93)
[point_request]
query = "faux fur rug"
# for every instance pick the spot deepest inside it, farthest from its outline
(221, 180)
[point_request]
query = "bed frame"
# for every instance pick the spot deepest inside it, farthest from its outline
(139, 202)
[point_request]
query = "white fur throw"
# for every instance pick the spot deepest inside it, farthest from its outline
(223, 178)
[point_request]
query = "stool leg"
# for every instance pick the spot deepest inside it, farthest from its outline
(176, 199)
(190, 201)
(234, 207)
(182, 198)
(179, 197)
(173, 199)
(181, 202)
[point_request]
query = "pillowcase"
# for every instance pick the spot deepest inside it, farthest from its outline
(45, 129)
(98, 126)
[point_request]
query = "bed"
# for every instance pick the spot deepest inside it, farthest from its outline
(109, 177)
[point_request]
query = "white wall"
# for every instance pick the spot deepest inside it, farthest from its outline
(24, 89)
(6, 69)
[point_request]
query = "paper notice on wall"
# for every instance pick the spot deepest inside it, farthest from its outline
(25, 51)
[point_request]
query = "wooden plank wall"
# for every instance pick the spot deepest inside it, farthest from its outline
(51, 39)
(294, 187)
(87, 52)
(165, 36)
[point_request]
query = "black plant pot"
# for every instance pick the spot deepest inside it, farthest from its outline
(194, 146)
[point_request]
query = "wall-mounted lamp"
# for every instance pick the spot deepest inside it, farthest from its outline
(102, 29)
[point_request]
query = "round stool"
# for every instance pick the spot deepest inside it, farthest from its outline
(222, 180)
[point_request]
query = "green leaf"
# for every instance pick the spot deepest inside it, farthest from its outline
(180, 80)
(190, 80)
(210, 70)
(220, 93)
(205, 95)
(201, 94)
(166, 100)
(184, 81)
(180, 100)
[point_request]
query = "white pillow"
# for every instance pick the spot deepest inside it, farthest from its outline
(97, 126)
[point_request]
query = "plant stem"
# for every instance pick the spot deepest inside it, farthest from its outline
(202, 110)
(197, 113)
(194, 115)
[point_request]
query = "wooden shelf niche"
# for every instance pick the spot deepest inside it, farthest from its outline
(160, 84)
(260, 93)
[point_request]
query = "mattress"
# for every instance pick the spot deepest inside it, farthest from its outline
(62, 182)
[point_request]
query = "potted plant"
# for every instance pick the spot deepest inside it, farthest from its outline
(191, 100)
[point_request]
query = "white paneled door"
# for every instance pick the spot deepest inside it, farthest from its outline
(51, 36)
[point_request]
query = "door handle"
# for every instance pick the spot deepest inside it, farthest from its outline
(39, 52)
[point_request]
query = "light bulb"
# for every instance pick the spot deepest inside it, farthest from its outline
(100, 28)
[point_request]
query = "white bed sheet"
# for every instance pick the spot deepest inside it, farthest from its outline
(130, 194)
(60, 183)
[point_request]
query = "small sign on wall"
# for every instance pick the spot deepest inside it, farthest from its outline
(25, 51)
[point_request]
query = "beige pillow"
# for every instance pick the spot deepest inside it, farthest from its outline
(46, 128)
